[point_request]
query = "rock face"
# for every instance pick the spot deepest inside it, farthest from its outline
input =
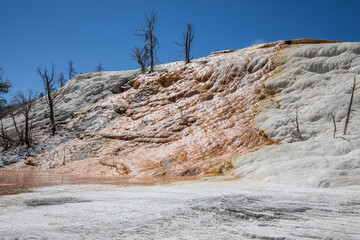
(184, 119)
(79, 92)
(198, 118)
(316, 82)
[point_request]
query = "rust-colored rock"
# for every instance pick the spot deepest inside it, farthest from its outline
(186, 120)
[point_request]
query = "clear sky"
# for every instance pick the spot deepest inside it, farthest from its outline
(36, 32)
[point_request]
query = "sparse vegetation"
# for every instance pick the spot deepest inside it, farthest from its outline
(147, 33)
(295, 121)
(187, 42)
(71, 69)
(99, 67)
(47, 78)
(349, 108)
(5, 140)
(22, 132)
(61, 80)
(11, 112)
(333, 118)
(141, 56)
(25, 103)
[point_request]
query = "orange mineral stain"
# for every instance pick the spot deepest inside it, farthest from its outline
(186, 120)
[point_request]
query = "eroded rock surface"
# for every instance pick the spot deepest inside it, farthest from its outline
(313, 82)
(186, 119)
(204, 118)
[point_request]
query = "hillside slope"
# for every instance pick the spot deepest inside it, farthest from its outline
(181, 120)
(216, 112)
(316, 82)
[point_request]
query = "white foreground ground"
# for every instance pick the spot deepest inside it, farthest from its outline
(313, 80)
(208, 209)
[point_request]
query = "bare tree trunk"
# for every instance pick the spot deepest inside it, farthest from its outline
(49, 81)
(61, 80)
(349, 109)
(3, 134)
(295, 122)
(6, 140)
(99, 68)
(186, 43)
(333, 118)
(12, 115)
(151, 53)
(141, 56)
(52, 117)
(151, 41)
(71, 69)
(25, 105)
(26, 135)
(297, 125)
(2, 130)
(187, 52)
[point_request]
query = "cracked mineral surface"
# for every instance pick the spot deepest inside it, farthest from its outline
(207, 209)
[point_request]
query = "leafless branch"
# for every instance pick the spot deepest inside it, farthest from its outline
(333, 118)
(71, 69)
(25, 104)
(295, 123)
(147, 33)
(99, 67)
(141, 56)
(10, 110)
(49, 81)
(350, 104)
(187, 42)
(61, 80)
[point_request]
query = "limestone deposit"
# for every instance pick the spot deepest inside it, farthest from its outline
(215, 115)
(315, 81)
(192, 210)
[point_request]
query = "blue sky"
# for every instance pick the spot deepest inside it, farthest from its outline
(36, 32)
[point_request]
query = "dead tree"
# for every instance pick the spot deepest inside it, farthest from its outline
(147, 33)
(25, 106)
(12, 113)
(71, 69)
(141, 56)
(12, 110)
(4, 88)
(350, 104)
(48, 80)
(4, 136)
(61, 80)
(186, 43)
(295, 122)
(99, 67)
(333, 118)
